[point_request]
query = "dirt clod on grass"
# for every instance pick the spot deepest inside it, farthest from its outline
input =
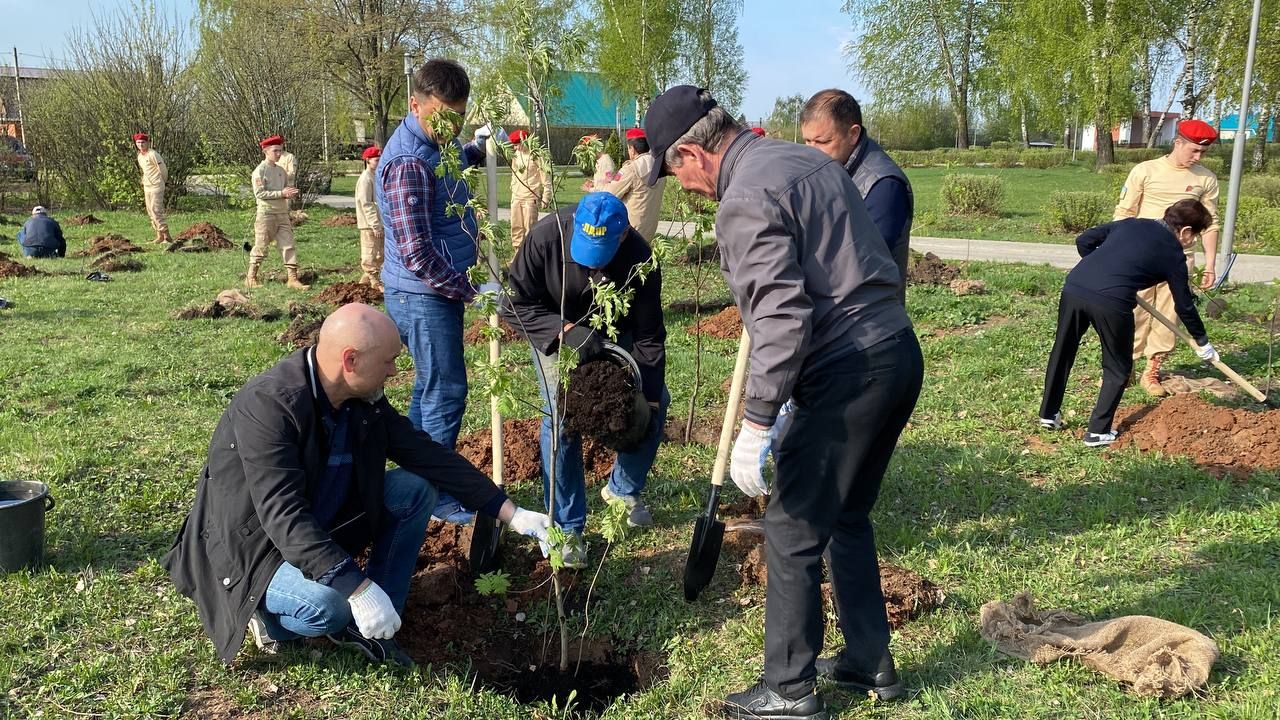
(599, 401)
(1226, 442)
(229, 304)
(297, 217)
(929, 269)
(12, 268)
(340, 220)
(303, 330)
(78, 220)
(109, 243)
(968, 287)
(115, 261)
(475, 332)
(499, 639)
(350, 292)
(200, 237)
(726, 324)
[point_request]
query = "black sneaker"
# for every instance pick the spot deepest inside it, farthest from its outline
(379, 651)
(762, 702)
(882, 685)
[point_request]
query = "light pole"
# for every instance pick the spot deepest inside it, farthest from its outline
(408, 80)
(1242, 126)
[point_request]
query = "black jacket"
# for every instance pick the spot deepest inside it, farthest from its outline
(251, 511)
(1120, 258)
(539, 272)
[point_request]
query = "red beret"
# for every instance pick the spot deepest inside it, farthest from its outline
(1197, 131)
(273, 140)
(517, 136)
(141, 136)
(758, 130)
(635, 134)
(372, 151)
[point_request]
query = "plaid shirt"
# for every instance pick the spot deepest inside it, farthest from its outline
(410, 188)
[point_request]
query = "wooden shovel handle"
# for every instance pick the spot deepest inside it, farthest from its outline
(731, 409)
(1231, 374)
(495, 349)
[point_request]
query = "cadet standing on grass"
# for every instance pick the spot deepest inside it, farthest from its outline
(154, 176)
(818, 293)
(1150, 189)
(273, 192)
(644, 203)
(530, 188)
(369, 222)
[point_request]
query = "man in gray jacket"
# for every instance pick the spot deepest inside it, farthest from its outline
(818, 294)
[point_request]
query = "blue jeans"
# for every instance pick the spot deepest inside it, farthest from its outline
(297, 607)
(630, 470)
(431, 327)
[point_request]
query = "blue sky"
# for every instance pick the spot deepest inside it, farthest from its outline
(790, 46)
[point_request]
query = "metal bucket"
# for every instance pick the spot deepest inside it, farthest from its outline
(22, 507)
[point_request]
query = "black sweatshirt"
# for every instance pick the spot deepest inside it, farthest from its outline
(1120, 258)
(535, 279)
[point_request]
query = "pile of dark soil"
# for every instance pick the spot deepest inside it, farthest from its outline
(1224, 441)
(599, 401)
(109, 243)
(303, 330)
(498, 639)
(340, 220)
(79, 220)
(687, 306)
(929, 269)
(522, 455)
(116, 261)
(726, 324)
(475, 332)
(200, 237)
(349, 292)
(12, 268)
(229, 304)
(744, 509)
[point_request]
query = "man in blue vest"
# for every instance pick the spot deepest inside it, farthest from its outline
(41, 236)
(428, 250)
(831, 121)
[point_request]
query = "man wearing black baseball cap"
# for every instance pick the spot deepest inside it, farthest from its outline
(817, 289)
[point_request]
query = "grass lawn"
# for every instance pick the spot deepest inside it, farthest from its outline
(111, 401)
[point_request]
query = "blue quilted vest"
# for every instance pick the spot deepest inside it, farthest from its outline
(452, 237)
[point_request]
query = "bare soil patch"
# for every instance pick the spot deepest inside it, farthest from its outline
(340, 220)
(475, 332)
(522, 454)
(79, 220)
(12, 268)
(726, 324)
(929, 269)
(304, 329)
(350, 292)
(1226, 442)
(109, 243)
(705, 431)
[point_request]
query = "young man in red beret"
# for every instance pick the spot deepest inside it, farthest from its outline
(369, 222)
(154, 175)
(1152, 187)
(644, 203)
(273, 192)
(530, 188)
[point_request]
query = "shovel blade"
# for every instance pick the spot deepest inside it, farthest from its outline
(704, 553)
(486, 539)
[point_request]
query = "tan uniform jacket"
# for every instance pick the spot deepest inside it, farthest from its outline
(367, 217)
(269, 182)
(1154, 185)
(644, 203)
(290, 165)
(529, 179)
(154, 172)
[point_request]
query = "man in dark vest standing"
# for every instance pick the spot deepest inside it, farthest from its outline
(831, 121)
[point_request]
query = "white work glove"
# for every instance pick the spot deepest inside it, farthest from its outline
(375, 616)
(1207, 353)
(747, 461)
(531, 524)
(482, 135)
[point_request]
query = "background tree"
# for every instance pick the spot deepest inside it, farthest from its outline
(784, 121)
(635, 46)
(915, 125)
(711, 55)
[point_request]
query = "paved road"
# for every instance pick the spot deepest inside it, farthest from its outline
(1248, 268)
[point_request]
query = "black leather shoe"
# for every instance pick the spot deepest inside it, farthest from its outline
(883, 684)
(761, 702)
(379, 651)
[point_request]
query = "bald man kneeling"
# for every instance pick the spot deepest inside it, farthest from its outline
(296, 486)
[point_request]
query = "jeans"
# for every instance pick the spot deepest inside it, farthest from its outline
(39, 251)
(630, 470)
(431, 327)
(297, 607)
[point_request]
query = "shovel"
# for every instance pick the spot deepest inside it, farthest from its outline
(708, 532)
(1231, 374)
(486, 535)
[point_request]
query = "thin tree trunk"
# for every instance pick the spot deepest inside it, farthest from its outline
(1260, 147)
(1104, 145)
(1022, 121)
(1189, 98)
(1154, 134)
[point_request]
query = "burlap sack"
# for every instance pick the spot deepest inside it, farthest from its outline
(1155, 657)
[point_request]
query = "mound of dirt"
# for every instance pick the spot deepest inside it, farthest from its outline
(599, 401)
(79, 220)
(522, 454)
(687, 306)
(929, 269)
(115, 262)
(203, 235)
(109, 243)
(475, 332)
(1224, 441)
(726, 324)
(349, 292)
(229, 304)
(12, 268)
(303, 330)
(968, 287)
(744, 509)
(297, 217)
(341, 220)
